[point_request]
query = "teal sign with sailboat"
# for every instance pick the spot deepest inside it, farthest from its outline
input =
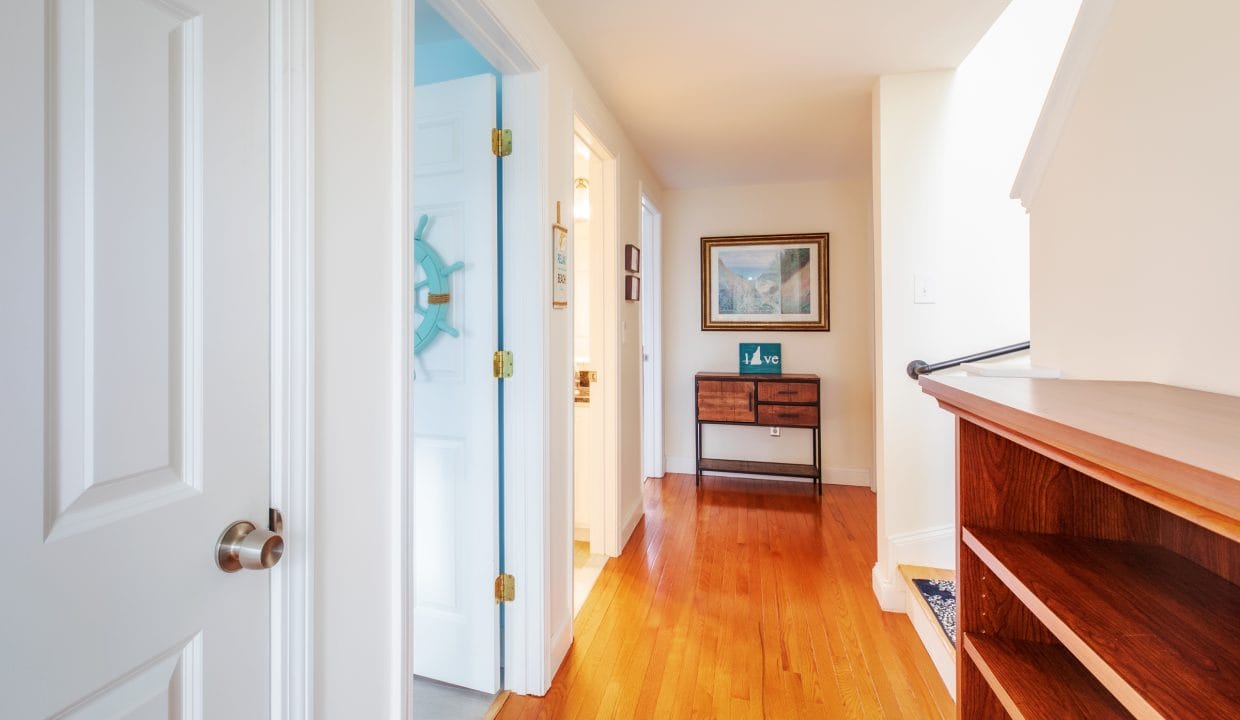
(761, 359)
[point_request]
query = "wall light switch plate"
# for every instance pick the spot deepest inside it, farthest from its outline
(774, 432)
(923, 289)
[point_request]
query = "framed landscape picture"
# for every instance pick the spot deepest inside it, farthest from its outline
(765, 282)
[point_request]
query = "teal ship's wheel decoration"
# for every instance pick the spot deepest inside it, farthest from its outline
(438, 291)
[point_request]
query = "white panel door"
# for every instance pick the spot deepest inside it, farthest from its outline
(134, 396)
(455, 396)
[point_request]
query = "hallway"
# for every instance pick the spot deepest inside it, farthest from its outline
(746, 599)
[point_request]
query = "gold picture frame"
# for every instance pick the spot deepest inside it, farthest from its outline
(766, 282)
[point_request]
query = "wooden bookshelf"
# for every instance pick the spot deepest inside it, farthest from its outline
(1098, 563)
(1039, 681)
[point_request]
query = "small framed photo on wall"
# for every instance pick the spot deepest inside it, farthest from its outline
(632, 258)
(632, 288)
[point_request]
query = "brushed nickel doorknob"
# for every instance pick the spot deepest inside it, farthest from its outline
(244, 546)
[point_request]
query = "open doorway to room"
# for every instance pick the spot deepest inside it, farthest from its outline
(595, 362)
(475, 506)
(457, 413)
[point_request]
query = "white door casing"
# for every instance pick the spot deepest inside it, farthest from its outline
(652, 341)
(455, 397)
(134, 407)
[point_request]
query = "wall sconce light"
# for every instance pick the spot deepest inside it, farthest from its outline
(581, 199)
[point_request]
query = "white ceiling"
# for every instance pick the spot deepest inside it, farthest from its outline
(731, 92)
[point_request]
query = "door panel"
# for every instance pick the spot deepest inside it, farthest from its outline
(723, 401)
(455, 400)
(134, 404)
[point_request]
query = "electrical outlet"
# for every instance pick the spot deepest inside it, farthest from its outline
(774, 432)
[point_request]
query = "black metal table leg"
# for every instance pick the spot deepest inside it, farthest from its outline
(698, 452)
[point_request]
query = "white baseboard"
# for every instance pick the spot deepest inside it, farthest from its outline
(581, 533)
(934, 547)
(860, 477)
(631, 519)
(891, 594)
(932, 638)
(561, 640)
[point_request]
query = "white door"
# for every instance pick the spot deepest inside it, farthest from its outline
(455, 395)
(652, 343)
(134, 367)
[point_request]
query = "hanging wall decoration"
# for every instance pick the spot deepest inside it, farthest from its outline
(559, 262)
(438, 288)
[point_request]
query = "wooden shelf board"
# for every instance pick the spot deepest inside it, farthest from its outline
(1178, 442)
(1159, 632)
(1036, 681)
(753, 467)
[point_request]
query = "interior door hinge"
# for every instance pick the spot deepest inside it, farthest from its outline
(501, 364)
(505, 588)
(501, 142)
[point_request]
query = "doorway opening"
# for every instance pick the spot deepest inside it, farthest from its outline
(595, 303)
(651, 269)
(455, 463)
(510, 507)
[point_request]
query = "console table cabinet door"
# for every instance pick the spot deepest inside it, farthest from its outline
(722, 401)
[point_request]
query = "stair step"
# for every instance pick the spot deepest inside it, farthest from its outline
(938, 644)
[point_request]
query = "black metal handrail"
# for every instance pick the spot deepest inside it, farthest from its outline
(917, 368)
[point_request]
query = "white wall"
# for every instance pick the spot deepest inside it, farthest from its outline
(568, 90)
(1136, 226)
(842, 357)
(946, 147)
(358, 392)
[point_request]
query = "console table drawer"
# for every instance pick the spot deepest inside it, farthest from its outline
(788, 392)
(722, 401)
(788, 415)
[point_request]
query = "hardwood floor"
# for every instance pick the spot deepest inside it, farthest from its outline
(745, 599)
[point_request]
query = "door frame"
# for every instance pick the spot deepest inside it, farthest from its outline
(291, 320)
(605, 523)
(653, 457)
(526, 227)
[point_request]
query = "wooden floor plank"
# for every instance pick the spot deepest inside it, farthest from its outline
(742, 599)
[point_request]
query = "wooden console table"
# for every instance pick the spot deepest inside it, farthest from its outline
(791, 400)
(1098, 549)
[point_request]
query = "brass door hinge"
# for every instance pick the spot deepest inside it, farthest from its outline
(501, 364)
(505, 588)
(501, 142)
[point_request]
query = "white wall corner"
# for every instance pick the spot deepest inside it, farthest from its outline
(890, 593)
(1078, 53)
(933, 547)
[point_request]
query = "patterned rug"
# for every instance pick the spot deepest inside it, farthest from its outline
(940, 595)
